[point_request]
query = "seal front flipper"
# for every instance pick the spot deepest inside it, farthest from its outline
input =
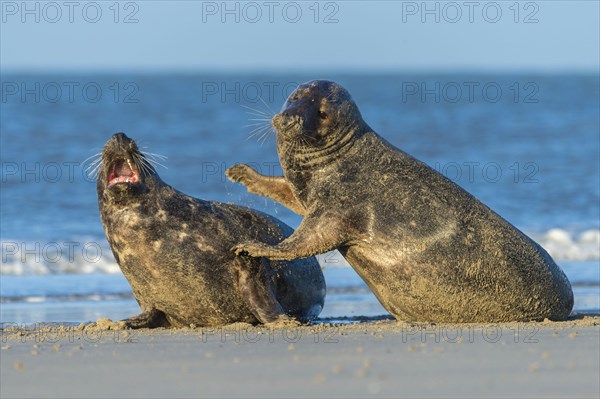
(148, 319)
(274, 187)
(312, 237)
(255, 288)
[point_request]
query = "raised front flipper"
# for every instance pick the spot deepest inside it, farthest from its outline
(274, 187)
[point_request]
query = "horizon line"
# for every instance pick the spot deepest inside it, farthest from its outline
(287, 71)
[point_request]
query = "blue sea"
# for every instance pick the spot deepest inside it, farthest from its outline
(527, 145)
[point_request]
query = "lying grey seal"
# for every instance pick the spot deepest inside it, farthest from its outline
(429, 250)
(175, 251)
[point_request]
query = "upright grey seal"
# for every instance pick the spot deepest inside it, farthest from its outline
(175, 251)
(429, 250)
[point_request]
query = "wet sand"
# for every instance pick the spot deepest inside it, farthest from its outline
(371, 358)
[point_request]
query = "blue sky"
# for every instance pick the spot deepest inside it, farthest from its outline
(301, 35)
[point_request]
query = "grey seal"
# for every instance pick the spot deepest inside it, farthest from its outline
(428, 250)
(175, 251)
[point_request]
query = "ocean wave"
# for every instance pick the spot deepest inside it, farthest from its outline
(88, 257)
(90, 297)
(359, 289)
(562, 245)
(20, 258)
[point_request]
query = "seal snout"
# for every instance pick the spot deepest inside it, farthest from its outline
(119, 158)
(284, 121)
(121, 141)
(121, 137)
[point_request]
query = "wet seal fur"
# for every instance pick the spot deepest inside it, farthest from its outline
(429, 250)
(175, 251)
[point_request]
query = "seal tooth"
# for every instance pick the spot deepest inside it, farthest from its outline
(130, 165)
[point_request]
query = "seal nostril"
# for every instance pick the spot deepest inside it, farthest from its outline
(120, 136)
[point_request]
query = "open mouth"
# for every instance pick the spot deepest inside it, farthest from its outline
(122, 171)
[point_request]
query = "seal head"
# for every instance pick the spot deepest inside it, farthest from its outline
(125, 174)
(317, 120)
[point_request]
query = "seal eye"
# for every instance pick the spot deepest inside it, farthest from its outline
(322, 115)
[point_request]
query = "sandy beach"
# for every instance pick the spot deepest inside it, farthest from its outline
(369, 358)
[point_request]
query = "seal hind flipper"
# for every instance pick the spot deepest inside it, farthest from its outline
(148, 319)
(274, 187)
(256, 289)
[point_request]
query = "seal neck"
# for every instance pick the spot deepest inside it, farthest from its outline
(298, 156)
(126, 196)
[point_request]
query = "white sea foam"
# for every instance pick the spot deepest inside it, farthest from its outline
(65, 257)
(32, 258)
(560, 244)
(563, 245)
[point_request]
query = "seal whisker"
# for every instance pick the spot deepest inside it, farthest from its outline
(93, 164)
(262, 117)
(91, 171)
(265, 136)
(93, 167)
(150, 164)
(98, 154)
(259, 127)
(95, 161)
(154, 155)
(267, 113)
(151, 159)
(257, 114)
(251, 108)
(260, 131)
(148, 169)
(256, 110)
(255, 124)
(138, 160)
(262, 128)
(268, 106)
(93, 174)
(154, 162)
